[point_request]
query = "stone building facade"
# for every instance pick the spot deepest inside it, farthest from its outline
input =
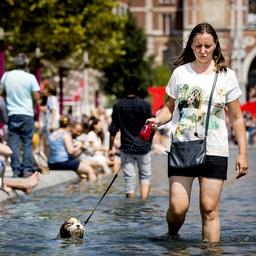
(161, 21)
(167, 24)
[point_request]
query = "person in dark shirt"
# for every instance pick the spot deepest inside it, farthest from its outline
(129, 115)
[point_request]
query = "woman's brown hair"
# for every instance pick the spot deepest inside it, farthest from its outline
(64, 121)
(92, 122)
(188, 56)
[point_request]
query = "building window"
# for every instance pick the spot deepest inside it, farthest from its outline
(166, 24)
(120, 10)
(167, 1)
(252, 14)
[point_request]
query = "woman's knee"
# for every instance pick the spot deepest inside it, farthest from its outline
(84, 167)
(209, 212)
(178, 208)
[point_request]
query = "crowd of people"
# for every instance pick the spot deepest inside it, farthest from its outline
(37, 142)
(57, 142)
(201, 91)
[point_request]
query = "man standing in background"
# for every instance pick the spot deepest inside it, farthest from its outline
(129, 116)
(21, 91)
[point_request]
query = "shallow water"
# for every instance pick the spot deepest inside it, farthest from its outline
(127, 227)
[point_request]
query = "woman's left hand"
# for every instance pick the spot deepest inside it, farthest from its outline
(241, 166)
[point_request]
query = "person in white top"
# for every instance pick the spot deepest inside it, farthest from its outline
(95, 138)
(188, 93)
(52, 108)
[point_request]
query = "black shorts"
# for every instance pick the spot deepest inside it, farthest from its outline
(214, 167)
(71, 164)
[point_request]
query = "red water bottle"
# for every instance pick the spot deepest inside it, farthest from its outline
(146, 132)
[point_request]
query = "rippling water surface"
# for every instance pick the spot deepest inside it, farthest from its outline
(127, 227)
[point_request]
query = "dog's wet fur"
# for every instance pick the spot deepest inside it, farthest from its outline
(71, 228)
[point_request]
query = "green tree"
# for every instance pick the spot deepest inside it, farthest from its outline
(63, 28)
(133, 61)
(161, 75)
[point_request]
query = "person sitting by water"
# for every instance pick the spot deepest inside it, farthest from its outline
(63, 154)
(9, 184)
(95, 138)
(87, 153)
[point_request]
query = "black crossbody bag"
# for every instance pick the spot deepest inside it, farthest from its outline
(187, 154)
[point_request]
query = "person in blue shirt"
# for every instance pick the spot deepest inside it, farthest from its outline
(63, 153)
(21, 91)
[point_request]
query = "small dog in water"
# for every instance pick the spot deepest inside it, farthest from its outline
(71, 228)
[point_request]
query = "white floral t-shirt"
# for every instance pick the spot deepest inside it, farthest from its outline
(192, 91)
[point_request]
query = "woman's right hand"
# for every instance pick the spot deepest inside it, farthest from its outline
(155, 121)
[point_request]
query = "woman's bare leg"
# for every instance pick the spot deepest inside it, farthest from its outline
(24, 184)
(145, 189)
(105, 167)
(210, 191)
(5, 188)
(116, 166)
(179, 199)
(85, 169)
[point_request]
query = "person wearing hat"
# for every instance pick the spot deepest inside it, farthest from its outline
(21, 90)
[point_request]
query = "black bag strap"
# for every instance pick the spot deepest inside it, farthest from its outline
(209, 104)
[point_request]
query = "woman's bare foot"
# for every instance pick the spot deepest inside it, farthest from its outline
(25, 184)
(38, 175)
(31, 182)
(83, 176)
(5, 188)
